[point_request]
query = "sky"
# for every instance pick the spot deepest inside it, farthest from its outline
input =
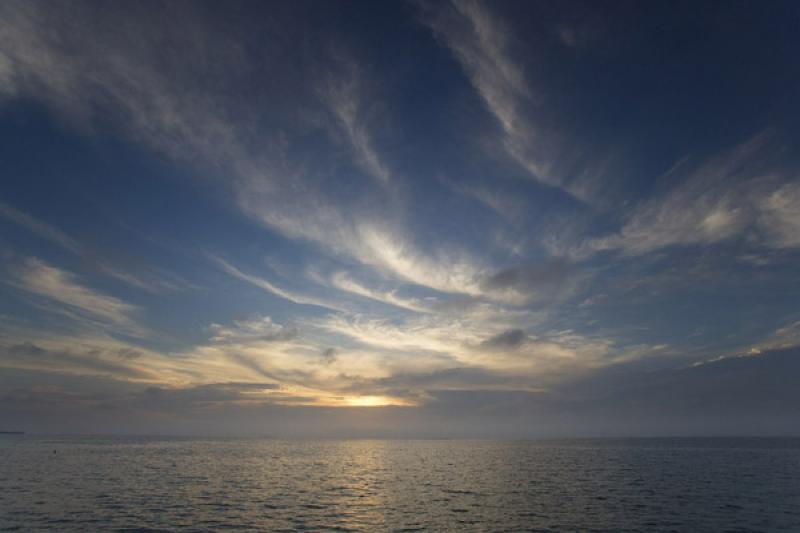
(400, 219)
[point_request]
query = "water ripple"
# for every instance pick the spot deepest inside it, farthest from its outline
(202, 486)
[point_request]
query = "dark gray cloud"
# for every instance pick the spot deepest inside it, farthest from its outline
(182, 400)
(251, 363)
(529, 277)
(26, 349)
(541, 282)
(509, 339)
(112, 362)
(129, 353)
(284, 335)
(328, 355)
(417, 386)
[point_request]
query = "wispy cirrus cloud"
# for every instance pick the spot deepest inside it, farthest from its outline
(505, 205)
(149, 280)
(265, 285)
(169, 113)
(166, 111)
(481, 42)
(41, 229)
(63, 288)
(48, 54)
(342, 281)
(730, 195)
(257, 328)
(344, 93)
(481, 341)
(779, 216)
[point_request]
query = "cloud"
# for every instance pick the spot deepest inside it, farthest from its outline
(424, 387)
(482, 332)
(159, 104)
(316, 367)
(259, 328)
(58, 286)
(329, 356)
(66, 58)
(129, 353)
(785, 337)
(210, 395)
(529, 283)
(396, 256)
(148, 281)
(459, 402)
(496, 343)
(163, 108)
(342, 281)
(509, 339)
(779, 216)
(41, 229)
(387, 248)
(481, 43)
(508, 207)
(240, 354)
(269, 287)
(731, 396)
(344, 94)
(83, 356)
(705, 208)
(437, 334)
(731, 195)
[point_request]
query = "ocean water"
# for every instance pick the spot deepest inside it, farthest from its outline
(157, 484)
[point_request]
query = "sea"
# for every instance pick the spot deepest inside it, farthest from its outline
(147, 484)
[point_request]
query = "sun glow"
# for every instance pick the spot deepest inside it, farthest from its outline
(372, 401)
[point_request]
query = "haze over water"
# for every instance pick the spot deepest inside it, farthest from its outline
(161, 484)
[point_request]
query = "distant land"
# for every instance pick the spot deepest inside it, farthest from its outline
(12, 432)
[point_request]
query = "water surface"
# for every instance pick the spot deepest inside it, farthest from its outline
(159, 484)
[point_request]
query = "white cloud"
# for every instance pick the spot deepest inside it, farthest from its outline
(465, 340)
(724, 198)
(787, 336)
(344, 94)
(342, 281)
(684, 217)
(265, 285)
(158, 105)
(67, 59)
(149, 281)
(779, 216)
(257, 328)
(58, 286)
(707, 206)
(480, 41)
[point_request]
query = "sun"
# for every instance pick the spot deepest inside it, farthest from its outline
(371, 401)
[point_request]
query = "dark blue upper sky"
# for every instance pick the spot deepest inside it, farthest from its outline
(400, 218)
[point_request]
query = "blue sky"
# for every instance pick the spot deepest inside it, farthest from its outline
(399, 218)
